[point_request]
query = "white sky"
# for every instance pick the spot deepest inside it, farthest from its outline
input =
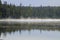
(34, 2)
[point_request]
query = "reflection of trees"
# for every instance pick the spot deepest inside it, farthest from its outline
(40, 31)
(0, 34)
(2, 31)
(19, 27)
(20, 31)
(29, 31)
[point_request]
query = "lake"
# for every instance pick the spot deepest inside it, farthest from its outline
(31, 35)
(29, 32)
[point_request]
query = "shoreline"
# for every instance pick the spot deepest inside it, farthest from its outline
(30, 20)
(6, 23)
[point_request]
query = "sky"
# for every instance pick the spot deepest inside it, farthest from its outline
(34, 2)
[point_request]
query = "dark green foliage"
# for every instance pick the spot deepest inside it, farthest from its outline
(12, 11)
(0, 2)
(41, 12)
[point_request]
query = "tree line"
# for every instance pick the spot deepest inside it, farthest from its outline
(12, 11)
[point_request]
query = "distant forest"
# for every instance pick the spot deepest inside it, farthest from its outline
(12, 11)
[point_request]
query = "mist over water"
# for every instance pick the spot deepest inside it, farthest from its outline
(30, 20)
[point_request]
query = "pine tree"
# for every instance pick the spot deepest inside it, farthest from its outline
(0, 2)
(0, 8)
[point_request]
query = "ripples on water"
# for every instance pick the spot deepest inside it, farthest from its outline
(29, 32)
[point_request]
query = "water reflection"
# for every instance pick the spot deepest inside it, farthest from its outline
(29, 32)
(31, 35)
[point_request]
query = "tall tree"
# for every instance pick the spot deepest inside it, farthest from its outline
(0, 5)
(4, 10)
(21, 10)
(0, 8)
(0, 2)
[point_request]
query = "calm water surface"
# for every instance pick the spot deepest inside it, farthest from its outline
(32, 34)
